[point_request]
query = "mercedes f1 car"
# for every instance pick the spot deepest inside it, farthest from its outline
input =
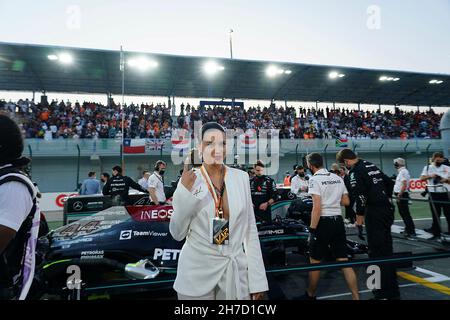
(128, 252)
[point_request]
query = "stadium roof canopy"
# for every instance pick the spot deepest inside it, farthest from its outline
(28, 68)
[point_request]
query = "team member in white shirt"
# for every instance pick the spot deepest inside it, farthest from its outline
(143, 182)
(156, 183)
(401, 191)
(437, 176)
(327, 230)
(299, 183)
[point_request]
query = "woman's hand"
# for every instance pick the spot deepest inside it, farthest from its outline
(257, 296)
(188, 176)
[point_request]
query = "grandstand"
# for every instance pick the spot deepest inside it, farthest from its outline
(93, 120)
(35, 68)
(66, 139)
(87, 135)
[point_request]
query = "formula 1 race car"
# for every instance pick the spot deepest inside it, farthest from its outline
(128, 252)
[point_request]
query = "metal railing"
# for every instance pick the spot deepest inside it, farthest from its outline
(108, 147)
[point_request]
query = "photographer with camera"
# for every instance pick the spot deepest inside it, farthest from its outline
(437, 176)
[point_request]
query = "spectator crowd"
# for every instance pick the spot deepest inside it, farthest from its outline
(89, 120)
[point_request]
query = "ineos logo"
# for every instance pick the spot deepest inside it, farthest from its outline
(162, 214)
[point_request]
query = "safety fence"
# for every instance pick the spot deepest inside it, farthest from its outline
(101, 151)
(407, 258)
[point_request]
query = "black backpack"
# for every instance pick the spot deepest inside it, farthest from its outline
(12, 259)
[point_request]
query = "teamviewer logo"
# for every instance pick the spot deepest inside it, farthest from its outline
(125, 235)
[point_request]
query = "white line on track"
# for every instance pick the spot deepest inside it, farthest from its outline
(418, 219)
(435, 278)
(362, 291)
(421, 234)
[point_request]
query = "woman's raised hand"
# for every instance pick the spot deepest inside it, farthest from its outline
(188, 176)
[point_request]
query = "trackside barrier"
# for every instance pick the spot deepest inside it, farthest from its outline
(305, 268)
(424, 200)
(444, 238)
(365, 262)
(398, 259)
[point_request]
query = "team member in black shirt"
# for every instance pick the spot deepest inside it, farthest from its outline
(372, 191)
(118, 186)
(264, 193)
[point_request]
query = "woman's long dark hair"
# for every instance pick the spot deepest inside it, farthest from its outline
(211, 125)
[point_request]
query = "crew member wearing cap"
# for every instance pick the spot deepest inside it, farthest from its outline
(299, 183)
(401, 191)
(437, 175)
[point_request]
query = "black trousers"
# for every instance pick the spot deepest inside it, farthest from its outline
(263, 216)
(436, 214)
(378, 223)
(403, 209)
(8, 293)
(350, 214)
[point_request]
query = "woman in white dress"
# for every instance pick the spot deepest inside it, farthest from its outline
(221, 258)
